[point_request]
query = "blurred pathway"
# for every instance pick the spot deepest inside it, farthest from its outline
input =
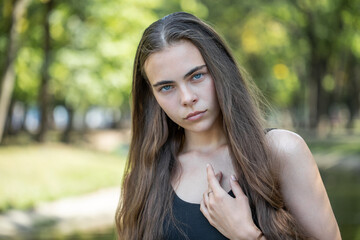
(74, 214)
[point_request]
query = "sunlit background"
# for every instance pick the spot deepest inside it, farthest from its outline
(65, 88)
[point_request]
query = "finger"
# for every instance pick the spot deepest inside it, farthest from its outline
(204, 210)
(209, 190)
(235, 187)
(206, 197)
(212, 180)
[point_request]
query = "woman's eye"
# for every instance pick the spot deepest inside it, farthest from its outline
(197, 76)
(165, 88)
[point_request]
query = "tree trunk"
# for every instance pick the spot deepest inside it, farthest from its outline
(8, 77)
(66, 134)
(317, 99)
(313, 81)
(44, 97)
(352, 97)
(8, 127)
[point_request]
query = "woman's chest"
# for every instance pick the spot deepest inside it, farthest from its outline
(191, 181)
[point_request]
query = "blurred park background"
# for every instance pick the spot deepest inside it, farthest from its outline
(65, 75)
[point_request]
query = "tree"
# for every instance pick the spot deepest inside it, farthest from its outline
(302, 54)
(43, 97)
(8, 74)
(89, 63)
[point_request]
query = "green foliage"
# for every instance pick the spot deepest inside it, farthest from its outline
(28, 66)
(94, 42)
(275, 40)
(93, 46)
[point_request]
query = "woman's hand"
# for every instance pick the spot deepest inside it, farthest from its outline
(230, 216)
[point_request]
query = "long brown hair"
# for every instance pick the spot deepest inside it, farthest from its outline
(146, 200)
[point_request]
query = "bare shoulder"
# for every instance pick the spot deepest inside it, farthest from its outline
(285, 140)
(301, 185)
(289, 148)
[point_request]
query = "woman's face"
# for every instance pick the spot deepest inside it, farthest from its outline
(183, 87)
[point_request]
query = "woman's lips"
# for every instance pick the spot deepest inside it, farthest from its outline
(195, 115)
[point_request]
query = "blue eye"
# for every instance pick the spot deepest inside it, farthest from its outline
(165, 88)
(197, 76)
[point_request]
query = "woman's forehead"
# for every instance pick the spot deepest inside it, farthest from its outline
(173, 60)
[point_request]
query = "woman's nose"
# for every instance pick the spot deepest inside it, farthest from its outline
(187, 96)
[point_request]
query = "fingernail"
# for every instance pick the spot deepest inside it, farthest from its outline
(207, 165)
(233, 177)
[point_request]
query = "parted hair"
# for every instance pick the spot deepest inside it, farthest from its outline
(145, 206)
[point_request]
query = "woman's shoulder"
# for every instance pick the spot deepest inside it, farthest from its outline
(279, 137)
(288, 147)
(301, 185)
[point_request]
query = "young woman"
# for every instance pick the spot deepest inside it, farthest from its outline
(201, 164)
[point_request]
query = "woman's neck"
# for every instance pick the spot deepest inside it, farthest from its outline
(204, 142)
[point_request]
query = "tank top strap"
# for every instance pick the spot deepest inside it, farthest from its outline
(268, 130)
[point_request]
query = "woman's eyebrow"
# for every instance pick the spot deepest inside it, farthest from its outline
(164, 82)
(194, 70)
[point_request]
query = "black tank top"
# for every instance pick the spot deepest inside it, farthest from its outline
(192, 222)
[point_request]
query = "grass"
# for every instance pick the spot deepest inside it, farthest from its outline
(342, 187)
(34, 173)
(342, 180)
(341, 145)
